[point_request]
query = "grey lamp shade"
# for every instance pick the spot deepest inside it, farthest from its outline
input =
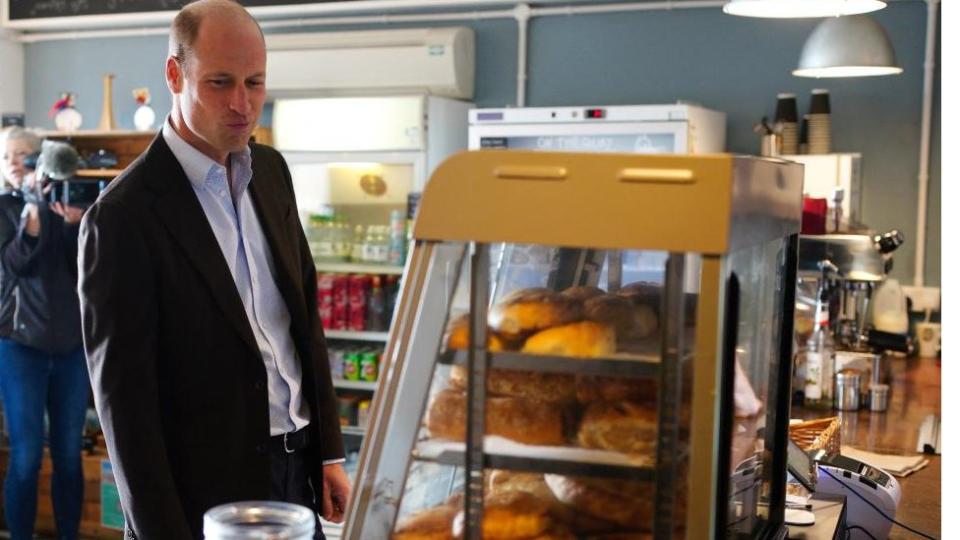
(851, 46)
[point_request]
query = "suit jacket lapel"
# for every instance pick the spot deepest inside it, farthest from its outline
(180, 212)
(275, 215)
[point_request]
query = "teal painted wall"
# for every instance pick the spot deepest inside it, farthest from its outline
(731, 64)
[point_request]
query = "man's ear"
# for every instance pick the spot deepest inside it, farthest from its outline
(174, 75)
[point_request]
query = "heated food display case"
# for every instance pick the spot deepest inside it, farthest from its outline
(588, 346)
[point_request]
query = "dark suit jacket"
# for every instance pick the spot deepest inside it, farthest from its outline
(178, 380)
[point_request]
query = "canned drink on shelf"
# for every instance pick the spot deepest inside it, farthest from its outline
(339, 317)
(341, 285)
(324, 289)
(351, 366)
(326, 316)
(359, 291)
(369, 366)
(335, 357)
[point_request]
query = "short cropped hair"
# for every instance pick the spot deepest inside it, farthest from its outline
(17, 133)
(186, 25)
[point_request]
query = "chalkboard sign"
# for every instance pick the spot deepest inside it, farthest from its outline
(38, 9)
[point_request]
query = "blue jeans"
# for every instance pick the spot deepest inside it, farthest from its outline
(31, 381)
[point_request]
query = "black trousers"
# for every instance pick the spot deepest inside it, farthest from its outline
(289, 482)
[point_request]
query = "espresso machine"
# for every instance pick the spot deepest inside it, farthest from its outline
(859, 263)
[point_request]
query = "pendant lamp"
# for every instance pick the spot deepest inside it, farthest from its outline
(797, 9)
(853, 46)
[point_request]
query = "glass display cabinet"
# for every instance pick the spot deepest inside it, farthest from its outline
(588, 346)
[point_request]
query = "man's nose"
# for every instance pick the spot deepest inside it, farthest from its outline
(240, 100)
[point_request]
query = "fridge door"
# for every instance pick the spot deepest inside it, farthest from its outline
(349, 124)
(627, 137)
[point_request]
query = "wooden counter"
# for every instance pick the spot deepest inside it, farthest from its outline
(914, 393)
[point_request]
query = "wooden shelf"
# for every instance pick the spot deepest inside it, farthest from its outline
(98, 134)
(99, 173)
(357, 336)
(368, 386)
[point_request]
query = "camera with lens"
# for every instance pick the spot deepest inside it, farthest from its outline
(56, 166)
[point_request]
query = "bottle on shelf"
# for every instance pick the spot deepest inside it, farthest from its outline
(398, 238)
(342, 239)
(376, 247)
(376, 307)
(357, 249)
(819, 350)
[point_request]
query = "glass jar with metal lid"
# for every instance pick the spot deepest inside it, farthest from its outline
(259, 520)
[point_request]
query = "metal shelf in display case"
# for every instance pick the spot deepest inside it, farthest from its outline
(722, 231)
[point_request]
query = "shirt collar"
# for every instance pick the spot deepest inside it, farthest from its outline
(200, 169)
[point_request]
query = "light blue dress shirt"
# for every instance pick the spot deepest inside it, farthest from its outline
(234, 221)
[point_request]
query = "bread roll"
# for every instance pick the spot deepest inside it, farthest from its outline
(431, 524)
(624, 426)
(526, 311)
(522, 420)
(583, 292)
(458, 336)
(627, 503)
(512, 515)
(501, 481)
(583, 339)
(593, 389)
(526, 384)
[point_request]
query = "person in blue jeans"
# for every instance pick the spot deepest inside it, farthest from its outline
(42, 365)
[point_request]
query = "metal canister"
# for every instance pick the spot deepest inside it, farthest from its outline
(879, 397)
(846, 393)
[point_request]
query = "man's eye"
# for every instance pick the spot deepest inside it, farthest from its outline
(255, 84)
(218, 82)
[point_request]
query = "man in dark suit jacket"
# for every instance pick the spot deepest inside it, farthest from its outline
(198, 296)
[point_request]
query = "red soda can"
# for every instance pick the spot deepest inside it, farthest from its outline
(326, 316)
(359, 291)
(340, 288)
(324, 289)
(339, 318)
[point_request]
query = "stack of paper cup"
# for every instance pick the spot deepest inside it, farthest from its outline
(786, 118)
(818, 121)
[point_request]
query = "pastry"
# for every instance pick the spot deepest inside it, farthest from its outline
(623, 426)
(626, 503)
(526, 311)
(583, 292)
(595, 388)
(522, 420)
(502, 481)
(512, 515)
(528, 384)
(458, 336)
(431, 524)
(584, 339)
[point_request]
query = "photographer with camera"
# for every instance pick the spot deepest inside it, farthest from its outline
(42, 365)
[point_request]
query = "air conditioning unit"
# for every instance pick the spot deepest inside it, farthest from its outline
(435, 61)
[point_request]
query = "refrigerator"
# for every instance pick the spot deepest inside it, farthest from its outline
(679, 128)
(358, 165)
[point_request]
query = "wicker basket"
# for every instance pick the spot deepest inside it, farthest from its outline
(822, 434)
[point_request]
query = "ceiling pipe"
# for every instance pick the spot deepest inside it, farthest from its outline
(926, 127)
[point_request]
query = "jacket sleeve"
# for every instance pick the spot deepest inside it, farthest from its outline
(118, 294)
(332, 442)
(21, 255)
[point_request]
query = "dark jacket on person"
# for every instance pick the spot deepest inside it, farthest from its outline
(179, 382)
(39, 306)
